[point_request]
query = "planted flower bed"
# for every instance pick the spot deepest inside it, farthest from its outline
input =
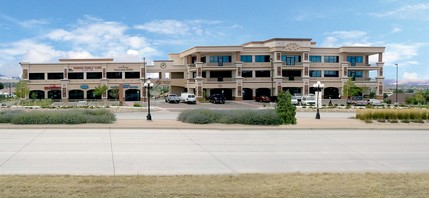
(392, 115)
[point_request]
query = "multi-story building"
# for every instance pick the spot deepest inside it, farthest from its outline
(239, 72)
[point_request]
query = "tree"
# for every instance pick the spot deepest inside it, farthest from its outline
(350, 89)
(1, 86)
(285, 109)
(22, 90)
(100, 90)
(114, 93)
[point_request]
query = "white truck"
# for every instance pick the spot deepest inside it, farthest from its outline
(172, 98)
(188, 98)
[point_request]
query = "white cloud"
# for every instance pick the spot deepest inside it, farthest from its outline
(185, 27)
(396, 29)
(346, 38)
(408, 11)
(33, 22)
(410, 76)
(398, 53)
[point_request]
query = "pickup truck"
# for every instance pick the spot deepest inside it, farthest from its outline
(172, 98)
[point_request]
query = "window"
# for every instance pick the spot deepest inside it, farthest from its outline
(246, 58)
(316, 59)
(55, 76)
(262, 58)
(114, 75)
(37, 76)
(177, 75)
(132, 74)
(330, 73)
(76, 75)
(291, 73)
(354, 59)
(356, 74)
(291, 60)
(331, 59)
(262, 73)
(220, 59)
(93, 75)
(246, 73)
(315, 73)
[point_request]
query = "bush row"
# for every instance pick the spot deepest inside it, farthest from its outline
(77, 116)
(248, 117)
(392, 114)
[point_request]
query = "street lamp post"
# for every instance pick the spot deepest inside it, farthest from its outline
(396, 85)
(148, 85)
(272, 77)
(318, 86)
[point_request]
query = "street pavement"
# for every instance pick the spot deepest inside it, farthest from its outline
(164, 146)
(210, 151)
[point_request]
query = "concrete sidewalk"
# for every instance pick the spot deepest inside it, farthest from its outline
(302, 123)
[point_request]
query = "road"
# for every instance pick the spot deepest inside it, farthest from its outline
(197, 151)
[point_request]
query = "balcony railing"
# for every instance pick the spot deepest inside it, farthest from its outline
(292, 64)
(226, 64)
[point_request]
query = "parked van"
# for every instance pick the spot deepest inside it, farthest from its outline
(188, 98)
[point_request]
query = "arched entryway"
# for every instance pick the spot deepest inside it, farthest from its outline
(263, 92)
(91, 96)
(54, 94)
(76, 94)
(247, 94)
(36, 94)
(132, 95)
(113, 94)
(331, 92)
(227, 93)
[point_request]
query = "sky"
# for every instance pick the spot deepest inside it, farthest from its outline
(42, 31)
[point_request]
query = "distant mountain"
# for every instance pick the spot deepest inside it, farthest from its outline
(390, 83)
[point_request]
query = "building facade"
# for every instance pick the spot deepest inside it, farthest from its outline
(238, 72)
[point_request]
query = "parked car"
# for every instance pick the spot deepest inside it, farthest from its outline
(375, 102)
(188, 98)
(262, 99)
(310, 99)
(217, 98)
(172, 98)
(295, 100)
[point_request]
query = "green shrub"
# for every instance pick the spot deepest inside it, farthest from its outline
(248, 117)
(137, 105)
(285, 109)
(58, 117)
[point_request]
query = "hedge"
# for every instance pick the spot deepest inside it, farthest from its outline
(57, 117)
(392, 114)
(248, 117)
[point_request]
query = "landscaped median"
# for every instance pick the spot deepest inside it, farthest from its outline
(74, 116)
(393, 115)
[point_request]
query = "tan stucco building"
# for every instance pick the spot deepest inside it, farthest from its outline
(239, 72)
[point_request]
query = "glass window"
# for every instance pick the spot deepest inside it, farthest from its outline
(316, 59)
(114, 75)
(291, 60)
(262, 58)
(132, 74)
(177, 75)
(262, 73)
(330, 73)
(356, 74)
(293, 73)
(220, 59)
(37, 76)
(246, 73)
(55, 76)
(93, 75)
(315, 73)
(246, 58)
(331, 59)
(354, 59)
(78, 75)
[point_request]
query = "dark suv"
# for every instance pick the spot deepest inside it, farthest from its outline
(217, 98)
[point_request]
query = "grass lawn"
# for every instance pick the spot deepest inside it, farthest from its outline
(243, 185)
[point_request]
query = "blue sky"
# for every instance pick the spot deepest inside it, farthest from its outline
(45, 30)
